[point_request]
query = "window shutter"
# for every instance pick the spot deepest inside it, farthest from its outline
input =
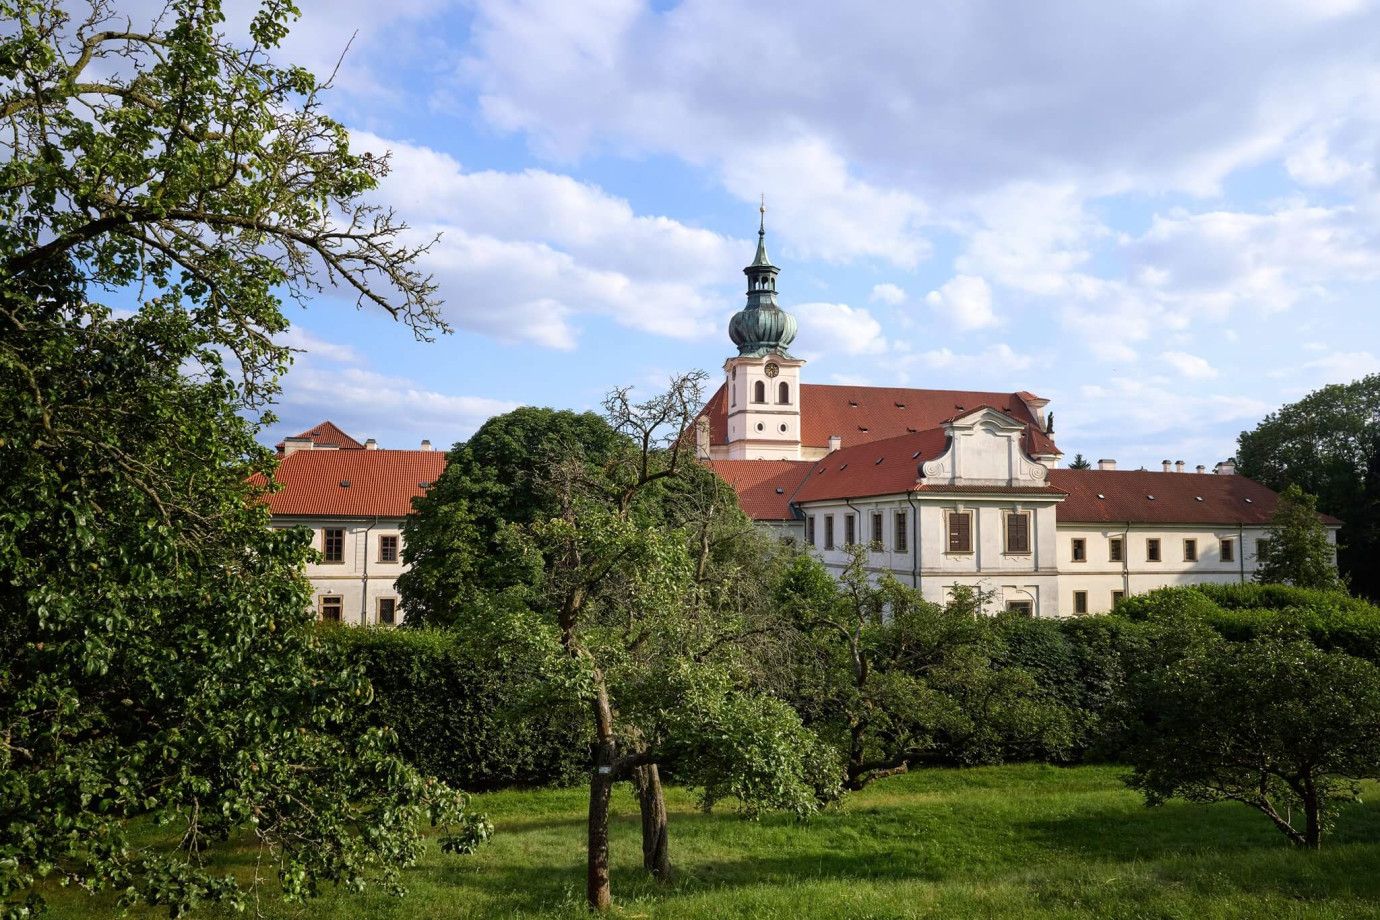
(960, 533)
(1017, 533)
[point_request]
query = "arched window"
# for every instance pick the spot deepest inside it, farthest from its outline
(783, 392)
(759, 392)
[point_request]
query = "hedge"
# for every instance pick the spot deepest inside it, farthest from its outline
(461, 716)
(1332, 620)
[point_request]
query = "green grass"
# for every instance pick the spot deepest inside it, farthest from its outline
(1005, 842)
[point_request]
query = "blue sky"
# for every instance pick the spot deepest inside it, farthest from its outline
(1163, 216)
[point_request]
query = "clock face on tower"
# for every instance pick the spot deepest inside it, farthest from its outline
(772, 370)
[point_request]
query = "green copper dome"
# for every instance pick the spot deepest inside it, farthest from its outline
(762, 328)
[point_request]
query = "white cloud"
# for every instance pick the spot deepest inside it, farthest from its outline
(850, 330)
(999, 358)
(1189, 365)
(887, 293)
(964, 300)
(523, 255)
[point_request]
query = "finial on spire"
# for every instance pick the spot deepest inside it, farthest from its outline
(762, 222)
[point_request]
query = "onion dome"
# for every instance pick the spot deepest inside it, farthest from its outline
(762, 328)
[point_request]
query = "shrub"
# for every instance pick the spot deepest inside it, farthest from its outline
(460, 712)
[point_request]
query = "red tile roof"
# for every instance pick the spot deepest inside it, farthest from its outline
(882, 467)
(382, 482)
(1122, 496)
(765, 487)
(859, 415)
(328, 433)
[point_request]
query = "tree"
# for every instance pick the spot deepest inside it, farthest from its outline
(1274, 723)
(1080, 462)
(1297, 551)
(1325, 443)
(896, 681)
(157, 654)
(639, 573)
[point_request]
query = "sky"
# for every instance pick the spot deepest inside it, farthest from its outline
(1162, 216)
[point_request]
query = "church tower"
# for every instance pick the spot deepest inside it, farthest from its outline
(763, 380)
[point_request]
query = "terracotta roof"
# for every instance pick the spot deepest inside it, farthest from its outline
(881, 467)
(1122, 496)
(859, 415)
(990, 490)
(765, 487)
(328, 433)
(382, 482)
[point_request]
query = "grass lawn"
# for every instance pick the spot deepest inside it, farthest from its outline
(1020, 841)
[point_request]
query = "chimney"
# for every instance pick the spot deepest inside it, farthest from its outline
(1178, 466)
(835, 442)
(293, 445)
(426, 445)
(371, 444)
(1106, 464)
(1201, 469)
(1167, 466)
(1227, 467)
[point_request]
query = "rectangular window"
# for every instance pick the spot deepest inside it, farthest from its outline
(828, 531)
(331, 607)
(850, 535)
(333, 544)
(388, 548)
(1018, 532)
(1116, 598)
(388, 611)
(1260, 546)
(1114, 549)
(1152, 550)
(900, 544)
(1228, 550)
(876, 530)
(1080, 602)
(1024, 608)
(1190, 551)
(810, 530)
(1080, 549)
(960, 532)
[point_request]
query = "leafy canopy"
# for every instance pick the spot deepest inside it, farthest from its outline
(1297, 550)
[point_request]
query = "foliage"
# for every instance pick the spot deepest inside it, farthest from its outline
(1298, 551)
(1274, 722)
(1080, 462)
(156, 653)
(464, 711)
(1328, 444)
(641, 577)
(900, 681)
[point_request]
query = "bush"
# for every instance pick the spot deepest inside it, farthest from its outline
(460, 713)
(1332, 620)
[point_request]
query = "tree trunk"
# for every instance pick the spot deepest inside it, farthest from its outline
(600, 795)
(1312, 833)
(656, 856)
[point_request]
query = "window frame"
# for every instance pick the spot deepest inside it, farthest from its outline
(397, 549)
(900, 544)
(828, 531)
(850, 530)
(1157, 555)
(325, 546)
(1116, 549)
(1118, 596)
(1023, 607)
(949, 519)
(339, 604)
(810, 530)
(878, 531)
(783, 393)
(1006, 533)
(378, 611)
(759, 393)
(1190, 549)
(1226, 549)
(1080, 597)
(1078, 549)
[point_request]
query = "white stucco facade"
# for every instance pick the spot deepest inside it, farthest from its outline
(364, 580)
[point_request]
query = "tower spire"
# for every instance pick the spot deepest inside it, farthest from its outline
(761, 258)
